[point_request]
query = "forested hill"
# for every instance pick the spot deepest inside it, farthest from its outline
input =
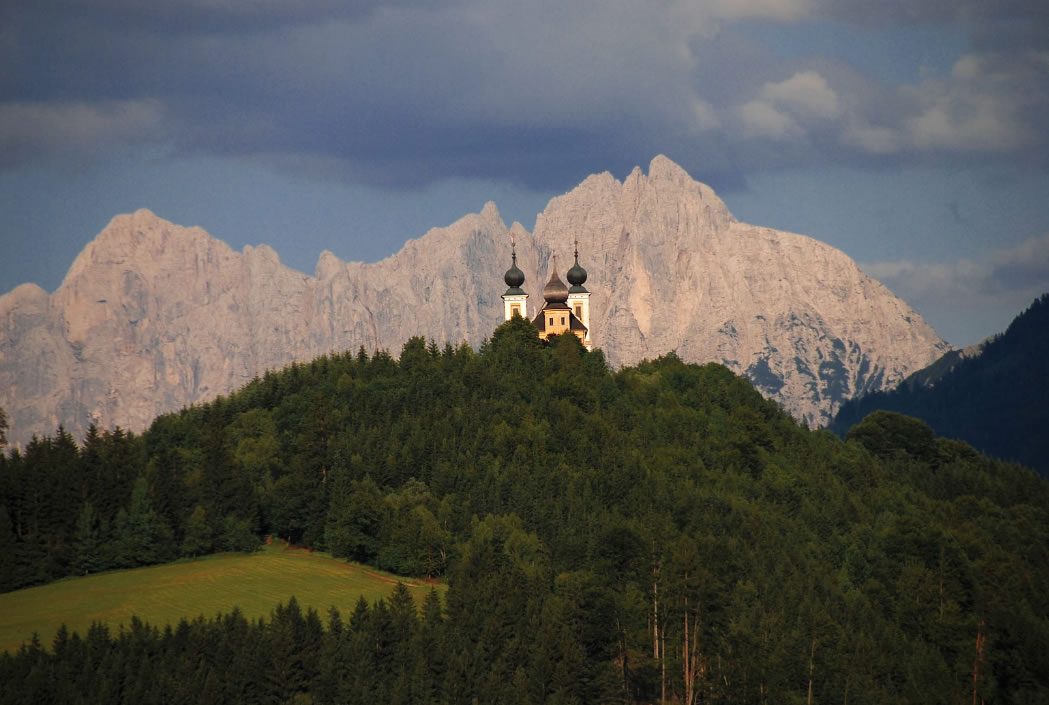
(661, 531)
(995, 401)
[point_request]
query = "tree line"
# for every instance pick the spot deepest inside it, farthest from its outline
(657, 533)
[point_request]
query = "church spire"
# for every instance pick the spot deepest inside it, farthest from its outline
(555, 290)
(515, 300)
(514, 277)
(576, 275)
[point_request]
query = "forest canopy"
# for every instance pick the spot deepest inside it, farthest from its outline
(661, 531)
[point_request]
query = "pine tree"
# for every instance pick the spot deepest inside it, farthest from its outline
(142, 536)
(87, 557)
(199, 535)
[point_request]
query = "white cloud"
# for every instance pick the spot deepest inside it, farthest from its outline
(871, 139)
(783, 110)
(705, 116)
(991, 103)
(805, 93)
(761, 119)
(985, 106)
(998, 287)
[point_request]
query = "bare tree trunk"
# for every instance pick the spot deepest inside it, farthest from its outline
(980, 638)
(621, 635)
(655, 619)
(685, 663)
(690, 662)
(812, 666)
(663, 667)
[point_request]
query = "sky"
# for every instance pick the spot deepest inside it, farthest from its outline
(911, 134)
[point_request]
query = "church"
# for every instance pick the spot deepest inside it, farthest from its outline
(565, 308)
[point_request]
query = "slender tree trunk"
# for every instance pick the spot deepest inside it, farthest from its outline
(690, 662)
(655, 619)
(812, 666)
(621, 635)
(685, 662)
(663, 662)
(980, 638)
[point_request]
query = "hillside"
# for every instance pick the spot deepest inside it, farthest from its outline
(606, 536)
(994, 401)
(153, 316)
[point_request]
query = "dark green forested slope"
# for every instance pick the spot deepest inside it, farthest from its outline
(995, 401)
(661, 531)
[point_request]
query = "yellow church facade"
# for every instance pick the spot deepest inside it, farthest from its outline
(565, 309)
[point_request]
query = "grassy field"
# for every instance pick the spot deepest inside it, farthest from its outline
(163, 594)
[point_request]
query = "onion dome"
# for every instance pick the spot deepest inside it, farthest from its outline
(576, 276)
(555, 291)
(514, 278)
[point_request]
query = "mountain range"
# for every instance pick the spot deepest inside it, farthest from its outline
(153, 316)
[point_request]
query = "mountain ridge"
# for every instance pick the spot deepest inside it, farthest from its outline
(990, 395)
(153, 316)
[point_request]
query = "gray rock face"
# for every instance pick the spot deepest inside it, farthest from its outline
(153, 316)
(673, 270)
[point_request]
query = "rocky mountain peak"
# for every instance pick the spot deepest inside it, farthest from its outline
(328, 265)
(22, 294)
(795, 315)
(662, 168)
(153, 316)
(490, 213)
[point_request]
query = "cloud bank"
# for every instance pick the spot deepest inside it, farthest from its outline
(1007, 280)
(539, 94)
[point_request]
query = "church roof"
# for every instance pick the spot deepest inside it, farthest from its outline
(514, 277)
(555, 291)
(577, 276)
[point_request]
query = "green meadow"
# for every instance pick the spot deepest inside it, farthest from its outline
(206, 586)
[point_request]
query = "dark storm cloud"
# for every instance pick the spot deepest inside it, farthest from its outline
(225, 16)
(428, 92)
(902, 12)
(541, 95)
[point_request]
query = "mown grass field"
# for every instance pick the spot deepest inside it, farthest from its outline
(163, 594)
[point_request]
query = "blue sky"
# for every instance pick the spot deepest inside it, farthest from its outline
(911, 135)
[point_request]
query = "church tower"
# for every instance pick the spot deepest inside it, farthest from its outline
(579, 297)
(515, 300)
(556, 317)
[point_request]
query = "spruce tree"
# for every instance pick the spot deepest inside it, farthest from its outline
(87, 556)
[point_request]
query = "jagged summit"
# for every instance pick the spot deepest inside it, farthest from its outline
(490, 212)
(153, 316)
(328, 265)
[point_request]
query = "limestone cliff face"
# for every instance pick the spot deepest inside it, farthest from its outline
(153, 316)
(673, 270)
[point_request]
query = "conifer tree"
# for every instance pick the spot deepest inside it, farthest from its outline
(87, 556)
(199, 535)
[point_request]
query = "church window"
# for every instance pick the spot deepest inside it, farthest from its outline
(579, 311)
(515, 310)
(562, 320)
(551, 320)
